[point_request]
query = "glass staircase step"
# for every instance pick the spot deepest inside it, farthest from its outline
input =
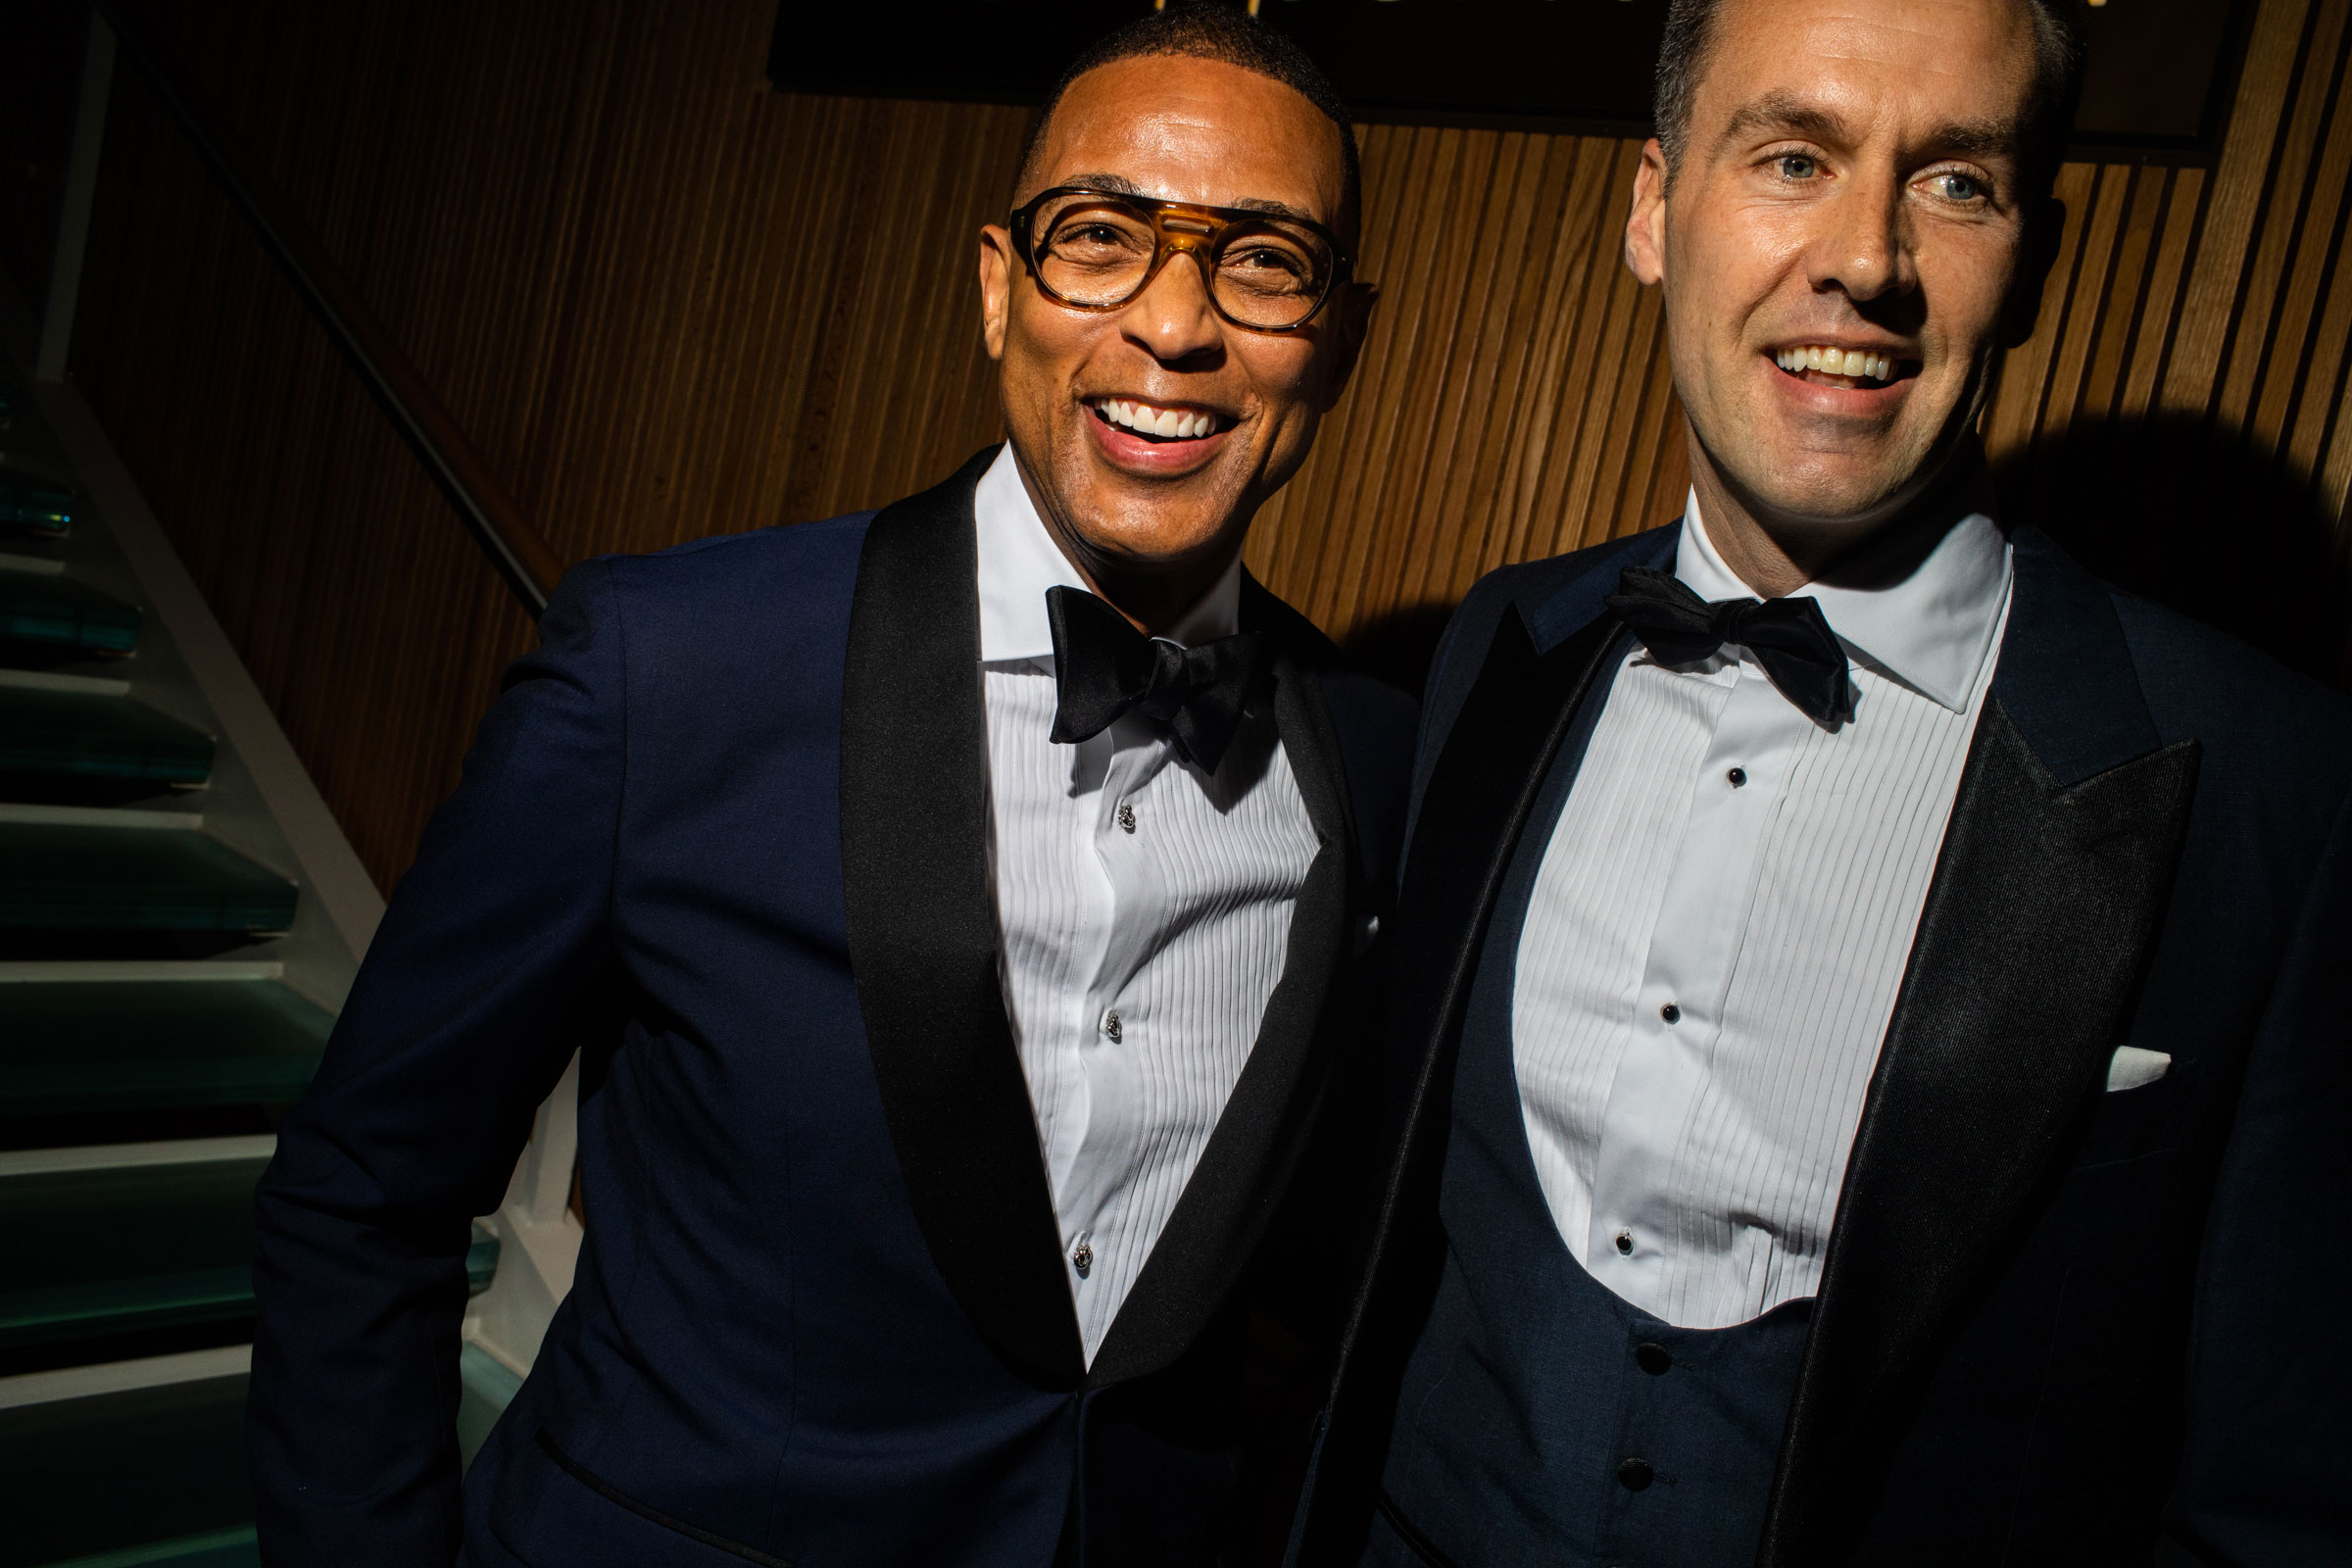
(73, 872)
(43, 557)
(216, 1548)
(145, 1476)
(57, 611)
(122, 1250)
(71, 732)
(69, 1047)
(26, 505)
(101, 1251)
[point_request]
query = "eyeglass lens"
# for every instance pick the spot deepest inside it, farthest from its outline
(1097, 252)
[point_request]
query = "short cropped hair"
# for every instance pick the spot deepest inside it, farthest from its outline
(1207, 30)
(2058, 55)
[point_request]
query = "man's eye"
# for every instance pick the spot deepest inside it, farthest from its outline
(1959, 188)
(1797, 166)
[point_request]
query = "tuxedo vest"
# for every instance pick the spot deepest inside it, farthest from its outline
(1543, 1418)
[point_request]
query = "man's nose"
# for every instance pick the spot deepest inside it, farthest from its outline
(1173, 318)
(1866, 249)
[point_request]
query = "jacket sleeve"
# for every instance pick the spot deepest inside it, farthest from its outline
(452, 1037)
(2263, 1481)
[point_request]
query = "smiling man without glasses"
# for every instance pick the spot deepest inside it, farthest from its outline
(958, 906)
(1878, 998)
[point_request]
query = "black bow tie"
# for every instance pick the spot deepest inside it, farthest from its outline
(1790, 637)
(1105, 668)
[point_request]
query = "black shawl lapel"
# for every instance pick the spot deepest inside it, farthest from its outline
(2045, 903)
(922, 928)
(1238, 1184)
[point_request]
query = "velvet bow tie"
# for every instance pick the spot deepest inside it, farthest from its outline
(1103, 669)
(1790, 637)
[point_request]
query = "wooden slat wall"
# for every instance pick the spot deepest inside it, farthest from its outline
(668, 302)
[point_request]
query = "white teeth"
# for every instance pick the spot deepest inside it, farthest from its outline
(1182, 423)
(1859, 363)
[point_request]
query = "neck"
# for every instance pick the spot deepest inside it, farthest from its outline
(1154, 595)
(1774, 556)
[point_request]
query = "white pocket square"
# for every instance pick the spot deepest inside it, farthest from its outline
(2135, 1068)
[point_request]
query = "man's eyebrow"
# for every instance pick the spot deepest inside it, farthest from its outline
(1785, 114)
(1974, 138)
(1782, 114)
(1115, 185)
(1273, 208)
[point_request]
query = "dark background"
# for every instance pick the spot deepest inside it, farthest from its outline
(2159, 75)
(646, 284)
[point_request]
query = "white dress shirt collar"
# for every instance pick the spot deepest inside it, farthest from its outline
(1019, 562)
(1931, 629)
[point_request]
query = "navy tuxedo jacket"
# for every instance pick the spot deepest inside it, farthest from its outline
(726, 831)
(2057, 1325)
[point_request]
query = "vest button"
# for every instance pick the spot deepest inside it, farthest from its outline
(1635, 1475)
(1653, 1358)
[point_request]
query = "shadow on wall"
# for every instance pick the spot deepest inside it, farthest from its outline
(2198, 521)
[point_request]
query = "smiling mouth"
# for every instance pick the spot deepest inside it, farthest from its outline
(1853, 370)
(1155, 423)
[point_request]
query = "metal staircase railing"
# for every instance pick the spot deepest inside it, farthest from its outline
(495, 520)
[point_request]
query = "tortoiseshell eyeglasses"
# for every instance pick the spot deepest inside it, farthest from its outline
(1097, 250)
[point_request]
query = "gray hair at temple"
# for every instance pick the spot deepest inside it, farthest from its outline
(2058, 49)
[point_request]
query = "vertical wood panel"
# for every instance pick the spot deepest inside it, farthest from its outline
(667, 303)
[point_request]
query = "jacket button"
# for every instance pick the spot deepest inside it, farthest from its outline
(1635, 1475)
(1653, 1358)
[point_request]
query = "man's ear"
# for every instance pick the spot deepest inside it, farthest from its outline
(1645, 225)
(2046, 227)
(1351, 319)
(996, 266)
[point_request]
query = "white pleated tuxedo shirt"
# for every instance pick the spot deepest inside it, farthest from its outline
(1143, 910)
(1719, 927)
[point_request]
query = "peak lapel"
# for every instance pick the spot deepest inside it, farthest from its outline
(2045, 903)
(922, 925)
(1238, 1181)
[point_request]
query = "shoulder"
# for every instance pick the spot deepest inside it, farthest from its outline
(1556, 597)
(796, 560)
(2280, 733)
(725, 613)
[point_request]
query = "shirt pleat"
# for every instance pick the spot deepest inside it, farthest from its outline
(1694, 1163)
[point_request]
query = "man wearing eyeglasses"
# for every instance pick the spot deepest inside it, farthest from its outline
(962, 902)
